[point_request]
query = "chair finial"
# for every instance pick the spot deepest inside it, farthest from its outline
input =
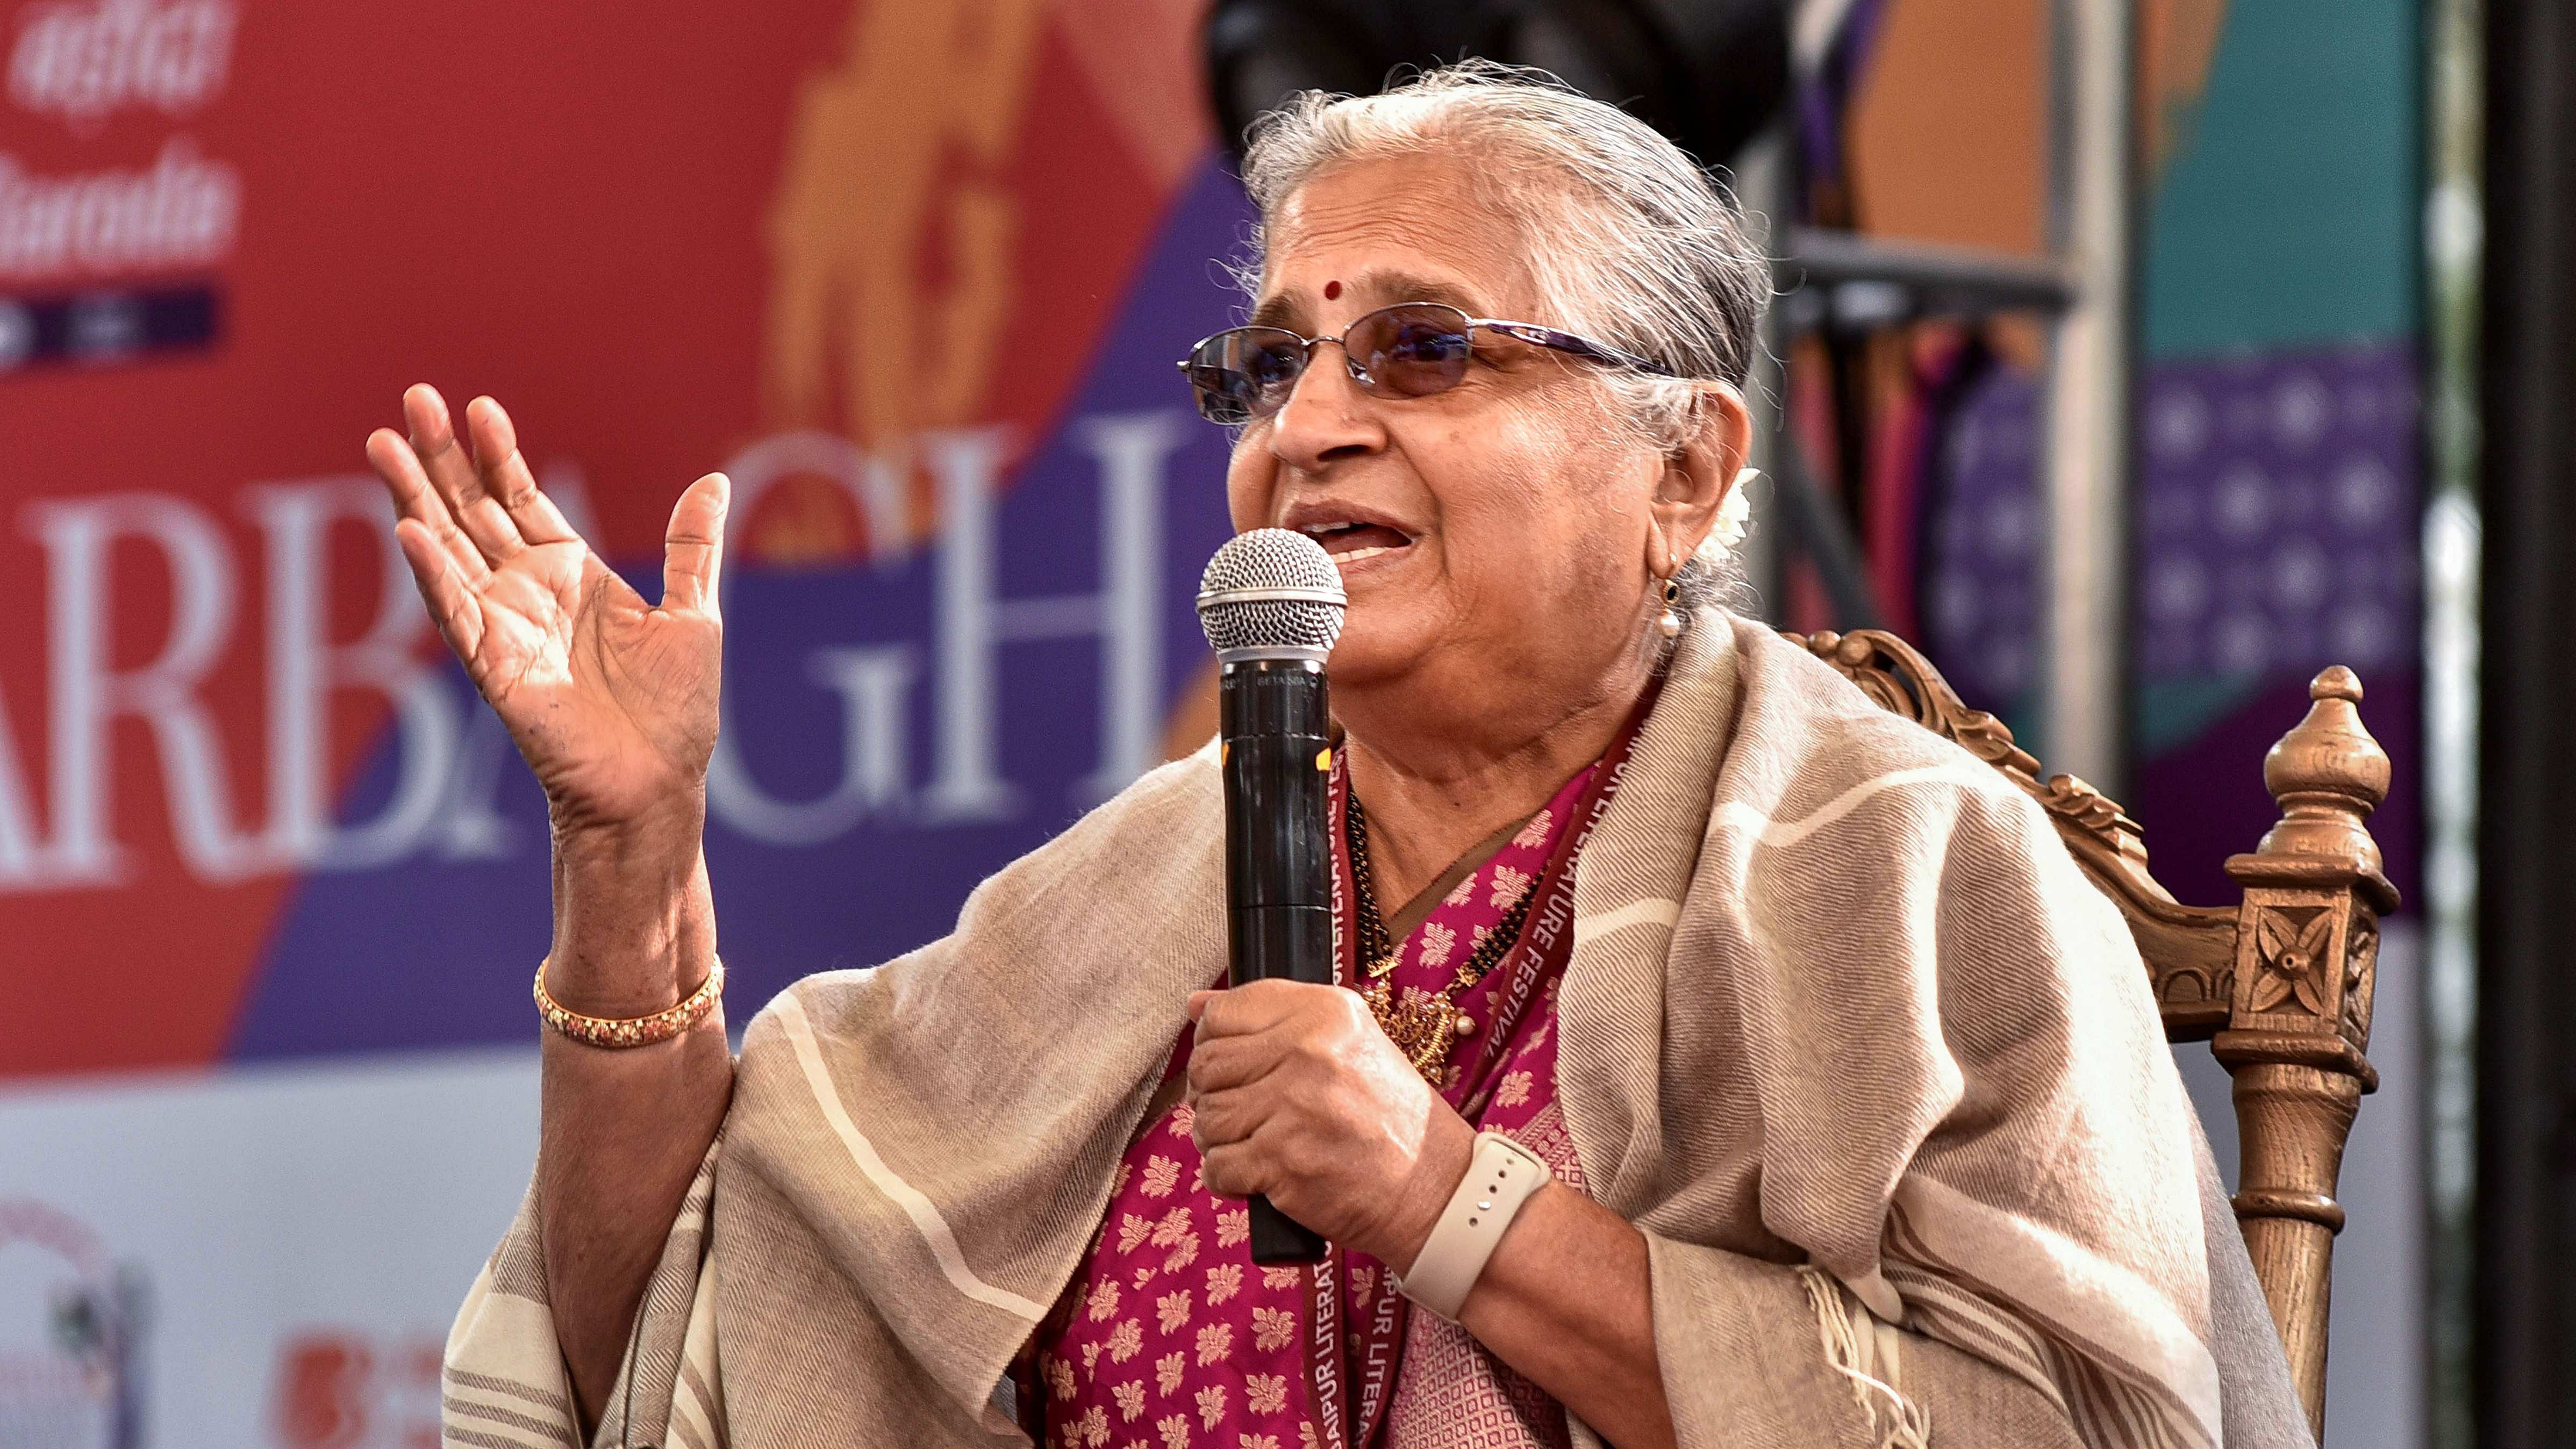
(2307, 966)
(2328, 775)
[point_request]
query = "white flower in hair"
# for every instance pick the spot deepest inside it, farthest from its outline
(1736, 511)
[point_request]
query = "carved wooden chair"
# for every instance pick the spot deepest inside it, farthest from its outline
(2279, 985)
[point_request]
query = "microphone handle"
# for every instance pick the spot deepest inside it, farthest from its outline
(1279, 1240)
(1278, 856)
(1277, 941)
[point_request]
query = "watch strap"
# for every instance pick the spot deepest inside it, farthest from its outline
(1500, 1178)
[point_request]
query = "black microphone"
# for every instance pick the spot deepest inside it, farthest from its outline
(1271, 605)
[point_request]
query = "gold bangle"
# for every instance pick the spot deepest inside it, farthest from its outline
(633, 1031)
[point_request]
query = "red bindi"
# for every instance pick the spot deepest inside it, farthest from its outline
(1332, 290)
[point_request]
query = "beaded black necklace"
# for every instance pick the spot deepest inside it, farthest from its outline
(1423, 1026)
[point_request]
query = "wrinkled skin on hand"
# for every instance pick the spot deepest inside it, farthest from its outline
(612, 701)
(1297, 1095)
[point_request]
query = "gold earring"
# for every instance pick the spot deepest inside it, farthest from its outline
(1670, 625)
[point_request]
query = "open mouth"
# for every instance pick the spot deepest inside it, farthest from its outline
(1350, 543)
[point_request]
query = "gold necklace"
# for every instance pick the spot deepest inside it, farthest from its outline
(1423, 1026)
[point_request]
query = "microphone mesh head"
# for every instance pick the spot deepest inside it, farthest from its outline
(1291, 569)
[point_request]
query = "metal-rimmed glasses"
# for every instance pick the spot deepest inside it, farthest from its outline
(1412, 349)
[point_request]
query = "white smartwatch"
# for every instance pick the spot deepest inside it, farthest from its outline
(1500, 1178)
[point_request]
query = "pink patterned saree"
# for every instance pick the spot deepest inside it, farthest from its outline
(1171, 1336)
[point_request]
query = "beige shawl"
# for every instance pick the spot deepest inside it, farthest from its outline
(1846, 1034)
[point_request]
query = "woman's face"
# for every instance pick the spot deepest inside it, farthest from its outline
(1498, 535)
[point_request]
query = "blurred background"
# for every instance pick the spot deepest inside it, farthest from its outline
(2137, 358)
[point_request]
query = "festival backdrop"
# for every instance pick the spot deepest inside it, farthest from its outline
(913, 271)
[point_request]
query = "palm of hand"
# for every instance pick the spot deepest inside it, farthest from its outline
(612, 701)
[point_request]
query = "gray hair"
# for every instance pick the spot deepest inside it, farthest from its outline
(1649, 253)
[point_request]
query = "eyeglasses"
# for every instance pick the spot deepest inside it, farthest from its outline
(1412, 349)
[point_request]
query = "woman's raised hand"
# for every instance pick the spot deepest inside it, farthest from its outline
(612, 701)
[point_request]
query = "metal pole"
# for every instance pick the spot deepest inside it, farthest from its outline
(2524, 1330)
(2088, 454)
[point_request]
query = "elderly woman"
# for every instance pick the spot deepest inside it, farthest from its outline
(1717, 1058)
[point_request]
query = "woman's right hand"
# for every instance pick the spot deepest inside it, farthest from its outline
(612, 701)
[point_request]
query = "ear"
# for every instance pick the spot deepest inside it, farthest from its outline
(1698, 475)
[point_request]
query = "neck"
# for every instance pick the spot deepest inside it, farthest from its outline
(1438, 779)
